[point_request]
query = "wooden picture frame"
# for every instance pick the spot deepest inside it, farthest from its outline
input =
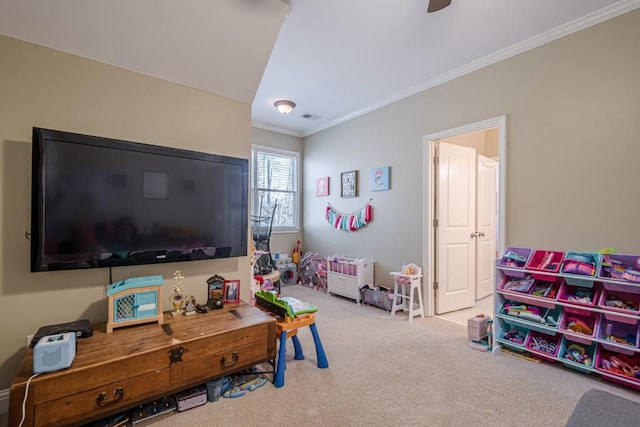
(349, 184)
(231, 291)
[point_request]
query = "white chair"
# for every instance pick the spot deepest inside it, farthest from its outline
(406, 284)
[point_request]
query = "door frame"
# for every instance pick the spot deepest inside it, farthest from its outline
(428, 240)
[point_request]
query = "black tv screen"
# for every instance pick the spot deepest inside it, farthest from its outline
(101, 202)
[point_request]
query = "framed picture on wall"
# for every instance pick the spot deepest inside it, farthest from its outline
(231, 291)
(380, 179)
(322, 186)
(349, 184)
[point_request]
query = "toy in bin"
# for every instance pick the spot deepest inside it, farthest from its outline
(479, 330)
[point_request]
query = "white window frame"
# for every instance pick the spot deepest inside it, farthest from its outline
(255, 201)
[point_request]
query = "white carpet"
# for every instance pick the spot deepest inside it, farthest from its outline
(386, 371)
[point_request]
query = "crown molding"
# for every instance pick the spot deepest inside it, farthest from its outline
(570, 27)
(265, 126)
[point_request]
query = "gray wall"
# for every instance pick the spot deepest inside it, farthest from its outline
(573, 131)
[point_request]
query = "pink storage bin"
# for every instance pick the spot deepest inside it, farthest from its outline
(579, 295)
(619, 367)
(525, 298)
(587, 318)
(622, 268)
(543, 345)
(514, 260)
(626, 298)
(545, 261)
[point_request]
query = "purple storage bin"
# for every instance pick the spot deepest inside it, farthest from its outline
(616, 298)
(585, 318)
(514, 261)
(620, 335)
(545, 261)
(621, 268)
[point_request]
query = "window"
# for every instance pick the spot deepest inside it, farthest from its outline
(275, 182)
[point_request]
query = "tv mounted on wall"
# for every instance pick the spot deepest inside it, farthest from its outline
(102, 202)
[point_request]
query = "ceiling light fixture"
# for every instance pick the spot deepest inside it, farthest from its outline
(284, 106)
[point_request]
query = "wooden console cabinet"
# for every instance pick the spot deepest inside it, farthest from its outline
(115, 371)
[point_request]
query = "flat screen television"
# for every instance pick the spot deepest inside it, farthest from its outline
(102, 202)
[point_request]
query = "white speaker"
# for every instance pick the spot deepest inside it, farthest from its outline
(288, 274)
(54, 352)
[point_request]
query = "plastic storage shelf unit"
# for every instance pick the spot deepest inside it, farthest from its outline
(597, 304)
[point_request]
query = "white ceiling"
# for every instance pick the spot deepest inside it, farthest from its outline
(334, 58)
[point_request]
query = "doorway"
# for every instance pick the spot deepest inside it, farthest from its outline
(459, 249)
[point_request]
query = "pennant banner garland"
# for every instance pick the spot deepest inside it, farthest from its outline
(349, 222)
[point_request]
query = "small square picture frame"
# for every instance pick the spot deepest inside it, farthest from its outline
(349, 184)
(322, 186)
(231, 291)
(380, 178)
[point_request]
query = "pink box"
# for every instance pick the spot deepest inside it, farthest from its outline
(586, 318)
(543, 345)
(524, 298)
(545, 261)
(579, 295)
(618, 367)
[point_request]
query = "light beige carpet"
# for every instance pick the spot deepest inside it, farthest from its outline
(386, 371)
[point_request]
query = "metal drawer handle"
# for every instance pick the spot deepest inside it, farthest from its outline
(119, 393)
(234, 360)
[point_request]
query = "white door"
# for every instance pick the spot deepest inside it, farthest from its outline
(455, 231)
(486, 226)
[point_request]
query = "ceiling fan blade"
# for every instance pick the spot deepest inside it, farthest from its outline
(436, 5)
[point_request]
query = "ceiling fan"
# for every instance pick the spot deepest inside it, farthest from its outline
(436, 5)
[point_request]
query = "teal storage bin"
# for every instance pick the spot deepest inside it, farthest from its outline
(580, 268)
(578, 356)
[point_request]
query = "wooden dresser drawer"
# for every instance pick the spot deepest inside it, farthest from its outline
(136, 366)
(101, 400)
(213, 365)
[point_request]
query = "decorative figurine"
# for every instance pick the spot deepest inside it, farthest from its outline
(177, 297)
(190, 306)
